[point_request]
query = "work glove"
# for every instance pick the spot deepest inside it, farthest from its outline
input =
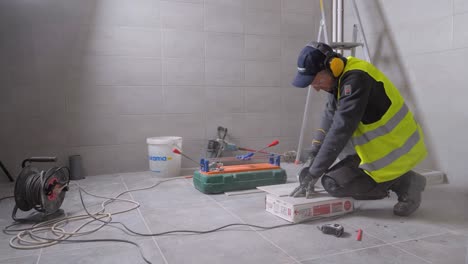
(306, 181)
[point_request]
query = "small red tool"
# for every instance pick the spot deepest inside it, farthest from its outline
(359, 235)
(177, 151)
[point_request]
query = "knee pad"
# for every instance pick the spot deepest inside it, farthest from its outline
(331, 186)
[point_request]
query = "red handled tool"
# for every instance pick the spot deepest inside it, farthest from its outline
(274, 143)
(249, 155)
(177, 151)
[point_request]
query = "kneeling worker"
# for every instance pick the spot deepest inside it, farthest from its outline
(365, 108)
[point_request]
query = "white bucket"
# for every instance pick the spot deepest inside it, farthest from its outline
(161, 158)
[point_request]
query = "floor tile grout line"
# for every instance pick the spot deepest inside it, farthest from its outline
(39, 256)
(144, 221)
(368, 233)
(343, 252)
(393, 244)
(412, 254)
(381, 245)
(261, 235)
(399, 241)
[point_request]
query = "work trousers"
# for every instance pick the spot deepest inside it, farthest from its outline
(346, 179)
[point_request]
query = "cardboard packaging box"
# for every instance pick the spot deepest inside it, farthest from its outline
(297, 210)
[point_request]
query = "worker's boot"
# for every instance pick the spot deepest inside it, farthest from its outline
(408, 188)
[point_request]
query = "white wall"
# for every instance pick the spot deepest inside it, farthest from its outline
(422, 46)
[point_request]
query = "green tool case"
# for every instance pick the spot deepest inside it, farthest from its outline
(224, 182)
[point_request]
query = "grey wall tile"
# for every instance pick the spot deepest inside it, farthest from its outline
(262, 22)
(97, 159)
(460, 6)
(290, 125)
(224, 99)
(299, 25)
(92, 100)
(419, 37)
(133, 157)
(8, 133)
(50, 131)
(431, 99)
(303, 6)
(183, 72)
(460, 35)
(255, 125)
(92, 131)
(183, 44)
(262, 47)
(268, 5)
(137, 100)
(180, 15)
(56, 41)
(185, 1)
(82, 12)
(294, 99)
(184, 99)
(226, 3)
(262, 99)
(218, 18)
(100, 70)
(288, 71)
(224, 45)
(433, 10)
(135, 129)
(187, 126)
(224, 72)
(291, 47)
(124, 41)
(125, 13)
(19, 99)
(261, 73)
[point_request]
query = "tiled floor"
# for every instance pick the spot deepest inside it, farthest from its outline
(437, 233)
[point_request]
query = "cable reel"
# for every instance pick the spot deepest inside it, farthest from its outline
(42, 190)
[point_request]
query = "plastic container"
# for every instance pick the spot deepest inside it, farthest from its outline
(162, 160)
(75, 167)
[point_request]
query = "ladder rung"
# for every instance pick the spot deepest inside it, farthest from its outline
(345, 45)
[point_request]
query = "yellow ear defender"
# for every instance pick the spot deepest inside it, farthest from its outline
(335, 65)
(333, 61)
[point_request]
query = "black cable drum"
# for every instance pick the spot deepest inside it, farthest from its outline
(41, 190)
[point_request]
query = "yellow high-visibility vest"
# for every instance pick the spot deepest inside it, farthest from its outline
(393, 145)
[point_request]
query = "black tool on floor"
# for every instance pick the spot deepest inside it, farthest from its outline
(43, 190)
(332, 229)
(7, 173)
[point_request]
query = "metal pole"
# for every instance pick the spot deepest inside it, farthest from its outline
(334, 24)
(339, 22)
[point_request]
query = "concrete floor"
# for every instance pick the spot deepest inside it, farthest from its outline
(436, 233)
